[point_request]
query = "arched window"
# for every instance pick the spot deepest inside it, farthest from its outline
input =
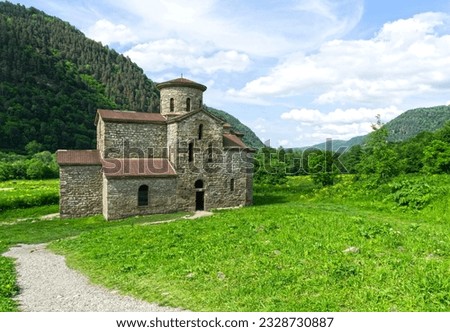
(198, 184)
(172, 105)
(200, 103)
(143, 195)
(200, 131)
(191, 152)
(232, 185)
(210, 153)
(188, 104)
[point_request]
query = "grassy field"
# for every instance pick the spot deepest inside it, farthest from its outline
(18, 194)
(25, 226)
(299, 248)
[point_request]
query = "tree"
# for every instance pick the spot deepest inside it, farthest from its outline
(268, 168)
(352, 158)
(436, 158)
(322, 168)
(379, 162)
(411, 152)
(33, 147)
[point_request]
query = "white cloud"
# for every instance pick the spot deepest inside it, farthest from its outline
(259, 126)
(283, 142)
(164, 54)
(227, 61)
(340, 116)
(110, 33)
(406, 58)
(341, 124)
(264, 29)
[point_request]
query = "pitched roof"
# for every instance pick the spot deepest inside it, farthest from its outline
(183, 82)
(78, 157)
(147, 167)
(230, 140)
(127, 116)
(187, 115)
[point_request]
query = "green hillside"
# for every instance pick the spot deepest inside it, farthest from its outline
(405, 126)
(53, 79)
(250, 138)
(413, 122)
(338, 144)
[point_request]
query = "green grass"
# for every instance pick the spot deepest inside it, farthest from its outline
(25, 226)
(285, 253)
(17, 194)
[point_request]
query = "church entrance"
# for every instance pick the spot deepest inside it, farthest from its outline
(199, 201)
(199, 196)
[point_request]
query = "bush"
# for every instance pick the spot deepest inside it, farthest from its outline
(413, 193)
(16, 167)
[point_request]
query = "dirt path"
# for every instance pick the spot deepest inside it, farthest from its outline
(47, 284)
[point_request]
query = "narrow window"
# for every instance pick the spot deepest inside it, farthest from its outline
(191, 152)
(210, 153)
(200, 104)
(143, 195)
(198, 184)
(200, 131)
(172, 105)
(232, 185)
(188, 104)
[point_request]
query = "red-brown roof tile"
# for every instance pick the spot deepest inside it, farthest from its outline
(125, 116)
(230, 140)
(183, 82)
(78, 157)
(137, 167)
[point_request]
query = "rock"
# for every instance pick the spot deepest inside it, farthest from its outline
(351, 250)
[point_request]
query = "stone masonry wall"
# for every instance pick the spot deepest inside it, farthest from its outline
(133, 140)
(216, 167)
(122, 196)
(216, 177)
(220, 191)
(179, 95)
(172, 144)
(101, 136)
(80, 191)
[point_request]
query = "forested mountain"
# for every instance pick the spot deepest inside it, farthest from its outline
(53, 79)
(250, 138)
(413, 122)
(404, 127)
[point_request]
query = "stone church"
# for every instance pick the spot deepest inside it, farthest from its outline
(181, 159)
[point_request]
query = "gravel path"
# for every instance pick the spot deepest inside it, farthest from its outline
(47, 284)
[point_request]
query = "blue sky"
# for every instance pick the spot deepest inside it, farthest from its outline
(295, 71)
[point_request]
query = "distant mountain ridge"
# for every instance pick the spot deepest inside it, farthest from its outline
(407, 125)
(53, 79)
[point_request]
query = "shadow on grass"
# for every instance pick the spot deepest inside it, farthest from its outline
(268, 199)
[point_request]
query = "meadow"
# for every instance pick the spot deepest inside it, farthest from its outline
(16, 194)
(299, 248)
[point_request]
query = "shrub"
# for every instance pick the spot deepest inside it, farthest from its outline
(412, 193)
